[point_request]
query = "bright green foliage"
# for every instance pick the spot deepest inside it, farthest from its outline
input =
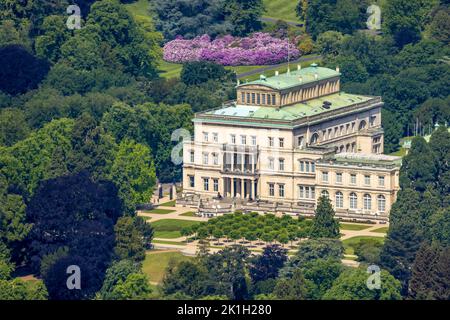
(55, 33)
(133, 171)
(324, 224)
(18, 289)
(118, 271)
(33, 157)
(135, 287)
(352, 285)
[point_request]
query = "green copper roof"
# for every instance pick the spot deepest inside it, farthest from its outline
(288, 113)
(377, 159)
(295, 78)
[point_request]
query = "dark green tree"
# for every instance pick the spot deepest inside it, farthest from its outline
(324, 225)
(267, 265)
(294, 288)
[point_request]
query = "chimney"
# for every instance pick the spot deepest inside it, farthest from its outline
(276, 73)
(316, 76)
(338, 70)
(300, 79)
(299, 67)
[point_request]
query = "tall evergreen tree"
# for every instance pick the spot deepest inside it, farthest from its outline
(420, 285)
(418, 168)
(399, 251)
(441, 276)
(294, 288)
(324, 225)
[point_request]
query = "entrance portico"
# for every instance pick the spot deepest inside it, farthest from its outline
(240, 187)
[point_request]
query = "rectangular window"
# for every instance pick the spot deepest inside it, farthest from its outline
(367, 180)
(300, 141)
(302, 166)
(353, 178)
(205, 136)
(271, 141)
(258, 99)
(313, 167)
(192, 156)
(381, 181)
(307, 166)
(242, 97)
(274, 102)
(301, 192)
(281, 165)
(243, 139)
(233, 139)
(281, 142)
(271, 164)
(307, 192)
(254, 140)
(325, 176)
(216, 185)
(271, 189)
(338, 177)
(191, 181)
(263, 99)
(313, 193)
(215, 137)
(206, 184)
(205, 158)
(248, 98)
(253, 98)
(281, 190)
(215, 159)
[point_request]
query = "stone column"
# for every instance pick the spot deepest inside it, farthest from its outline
(232, 187)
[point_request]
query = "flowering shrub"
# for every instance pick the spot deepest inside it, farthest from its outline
(257, 49)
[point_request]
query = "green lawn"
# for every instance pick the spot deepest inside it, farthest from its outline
(281, 10)
(140, 9)
(168, 204)
(189, 214)
(349, 243)
(170, 228)
(155, 263)
(160, 211)
(169, 70)
(381, 230)
(356, 227)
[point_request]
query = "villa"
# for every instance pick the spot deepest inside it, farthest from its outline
(287, 140)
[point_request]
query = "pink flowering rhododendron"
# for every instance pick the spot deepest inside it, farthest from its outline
(257, 49)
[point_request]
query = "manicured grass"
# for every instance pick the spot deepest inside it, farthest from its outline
(281, 10)
(169, 242)
(189, 214)
(168, 204)
(381, 230)
(160, 211)
(169, 70)
(349, 243)
(155, 263)
(170, 228)
(355, 227)
(139, 9)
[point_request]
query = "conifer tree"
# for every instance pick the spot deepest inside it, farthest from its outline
(324, 225)
(420, 285)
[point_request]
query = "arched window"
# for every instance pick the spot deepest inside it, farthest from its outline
(381, 203)
(367, 202)
(362, 125)
(314, 138)
(339, 200)
(353, 201)
(325, 194)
